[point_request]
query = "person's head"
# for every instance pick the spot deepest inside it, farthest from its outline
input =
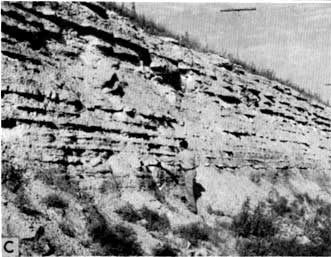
(183, 144)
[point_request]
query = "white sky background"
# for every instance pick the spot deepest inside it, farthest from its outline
(294, 40)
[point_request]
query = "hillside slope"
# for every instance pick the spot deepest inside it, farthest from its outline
(89, 100)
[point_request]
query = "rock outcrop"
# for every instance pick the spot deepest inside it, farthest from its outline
(86, 96)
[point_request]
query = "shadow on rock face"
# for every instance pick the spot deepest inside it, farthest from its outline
(197, 190)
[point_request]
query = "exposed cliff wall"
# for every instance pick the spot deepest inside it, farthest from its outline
(81, 85)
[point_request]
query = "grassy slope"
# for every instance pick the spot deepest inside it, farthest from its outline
(186, 40)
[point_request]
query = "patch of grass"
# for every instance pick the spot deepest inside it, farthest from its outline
(151, 27)
(271, 75)
(55, 201)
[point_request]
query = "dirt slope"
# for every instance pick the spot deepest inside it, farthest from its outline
(86, 96)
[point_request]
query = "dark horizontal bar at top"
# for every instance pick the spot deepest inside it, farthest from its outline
(238, 10)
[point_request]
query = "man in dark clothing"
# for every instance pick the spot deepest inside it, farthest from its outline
(187, 162)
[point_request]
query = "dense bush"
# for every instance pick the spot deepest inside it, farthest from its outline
(257, 230)
(254, 223)
(115, 239)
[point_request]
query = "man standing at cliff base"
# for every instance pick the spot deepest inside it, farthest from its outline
(187, 162)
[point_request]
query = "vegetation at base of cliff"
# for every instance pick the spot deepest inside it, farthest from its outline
(154, 221)
(260, 233)
(113, 239)
(116, 240)
(188, 41)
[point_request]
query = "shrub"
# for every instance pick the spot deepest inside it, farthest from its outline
(55, 201)
(257, 223)
(155, 222)
(113, 239)
(116, 240)
(194, 232)
(128, 213)
(257, 230)
(165, 250)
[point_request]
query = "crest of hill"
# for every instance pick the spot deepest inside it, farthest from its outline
(186, 40)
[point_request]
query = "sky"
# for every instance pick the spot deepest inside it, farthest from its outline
(294, 40)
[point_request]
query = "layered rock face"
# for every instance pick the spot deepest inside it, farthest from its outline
(86, 96)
